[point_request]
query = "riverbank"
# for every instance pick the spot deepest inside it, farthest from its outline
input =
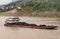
(48, 15)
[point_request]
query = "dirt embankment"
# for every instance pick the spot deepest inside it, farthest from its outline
(33, 14)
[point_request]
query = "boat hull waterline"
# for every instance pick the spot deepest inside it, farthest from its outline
(26, 25)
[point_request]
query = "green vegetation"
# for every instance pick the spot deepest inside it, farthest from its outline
(45, 8)
(44, 5)
(5, 14)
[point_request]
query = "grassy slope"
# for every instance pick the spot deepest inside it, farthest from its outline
(28, 11)
(24, 12)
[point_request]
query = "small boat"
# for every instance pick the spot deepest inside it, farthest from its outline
(14, 22)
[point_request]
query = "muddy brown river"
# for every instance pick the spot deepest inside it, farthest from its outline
(28, 33)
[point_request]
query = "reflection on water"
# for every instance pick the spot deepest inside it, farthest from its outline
(13, 28)
(28, 33)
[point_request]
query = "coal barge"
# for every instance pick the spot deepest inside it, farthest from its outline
(15, 22)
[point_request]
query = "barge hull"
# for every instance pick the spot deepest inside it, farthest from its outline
(26, 26)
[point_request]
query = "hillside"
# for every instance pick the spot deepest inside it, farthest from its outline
(45, 8)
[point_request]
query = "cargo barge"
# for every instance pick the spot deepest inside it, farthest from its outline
(14, 22)
(30, 26)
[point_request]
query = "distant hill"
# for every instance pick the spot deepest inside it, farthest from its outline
(36, 7)
(40, 5)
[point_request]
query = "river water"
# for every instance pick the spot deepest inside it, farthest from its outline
(28, 33)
